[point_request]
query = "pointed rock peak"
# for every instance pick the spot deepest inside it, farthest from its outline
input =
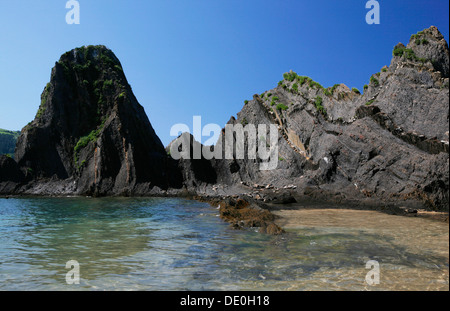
(88, 81)
(343, 88)
(399, 46)
(430, 38)
(183, 147)
(425, 47)
(431, 33)
(84, 54)
(91, 128)
(183, 137)
(95, 69)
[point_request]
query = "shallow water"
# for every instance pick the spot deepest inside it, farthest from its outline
(176, 244)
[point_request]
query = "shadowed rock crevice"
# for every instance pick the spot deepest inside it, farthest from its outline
(430, 145)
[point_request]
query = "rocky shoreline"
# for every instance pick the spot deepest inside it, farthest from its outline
(257, 207)
(384, 149)
(244, 211)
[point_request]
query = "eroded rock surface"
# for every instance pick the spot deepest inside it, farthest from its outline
(387, 145)
(91, 134)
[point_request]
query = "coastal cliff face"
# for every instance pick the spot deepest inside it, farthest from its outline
(90, 134)
(387, 145)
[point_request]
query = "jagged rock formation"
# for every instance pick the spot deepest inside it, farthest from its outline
(91, 135)
(194, 171)
(388, 145)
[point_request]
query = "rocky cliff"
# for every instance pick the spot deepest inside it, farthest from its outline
(387, 145)
(90, 134)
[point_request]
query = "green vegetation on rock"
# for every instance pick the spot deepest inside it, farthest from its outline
(290, 76)
(320, 108)
(374, 81)
(107, 60)
(107, 84)
(407, 53)
(334, 87)
(274, 100)
(44, 96)
(417, 38)
(281, 107)
(315, 84)
(302, 79)
(85, 140)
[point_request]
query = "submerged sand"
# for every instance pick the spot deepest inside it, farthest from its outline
(426, 237)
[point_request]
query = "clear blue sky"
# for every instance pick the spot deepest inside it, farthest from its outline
(203, 57)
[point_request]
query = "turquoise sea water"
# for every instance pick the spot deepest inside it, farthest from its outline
(177, 244)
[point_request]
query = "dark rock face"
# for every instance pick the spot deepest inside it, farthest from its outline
(413, 91)
(9, 170)
(10, 175)
(195, 172)
(430, 45)
(388, 145)
(91, 130)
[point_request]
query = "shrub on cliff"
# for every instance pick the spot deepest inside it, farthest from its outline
(355, 90)
(290, 76)
(409, 54)
(320, 108)
(281, 107)
(374, 81)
